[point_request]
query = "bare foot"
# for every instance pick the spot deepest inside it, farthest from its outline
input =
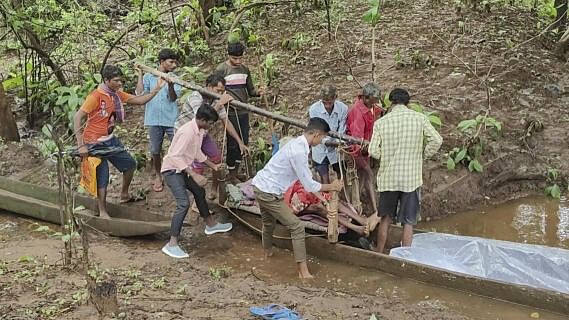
(268, 253)
(104, 215)
(303, 272)
(373, 221)
(158, 185)
(305, 276)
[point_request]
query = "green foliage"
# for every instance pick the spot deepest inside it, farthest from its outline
(261, 153)
(297, 42)
(553, 189)
(217, 274)
(159, 283)
(476, 133)
(373, 15)
(269, 67)
(431, 115)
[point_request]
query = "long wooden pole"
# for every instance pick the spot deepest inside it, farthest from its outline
(245, 106)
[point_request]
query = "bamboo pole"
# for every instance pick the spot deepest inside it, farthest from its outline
(332, 208)
(245, 106)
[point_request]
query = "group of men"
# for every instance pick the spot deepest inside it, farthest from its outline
(397, 138)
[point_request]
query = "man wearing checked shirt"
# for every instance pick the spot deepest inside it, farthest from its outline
(397, 141)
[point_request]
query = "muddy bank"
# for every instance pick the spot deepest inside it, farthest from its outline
(153, 286)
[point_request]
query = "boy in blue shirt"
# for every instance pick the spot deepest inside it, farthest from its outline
(161, 112)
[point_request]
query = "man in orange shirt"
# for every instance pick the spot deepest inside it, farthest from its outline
(103, 108)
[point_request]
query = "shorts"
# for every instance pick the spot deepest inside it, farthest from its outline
(156, 137)
(211, 150)
(122, 160)
(409, 204)
(323, 168)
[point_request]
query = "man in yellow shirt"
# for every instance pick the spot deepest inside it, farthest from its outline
(397, 141)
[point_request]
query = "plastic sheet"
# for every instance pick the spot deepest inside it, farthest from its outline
(525, 264)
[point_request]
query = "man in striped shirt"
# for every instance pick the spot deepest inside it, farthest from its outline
(239, 84)
(397, 141)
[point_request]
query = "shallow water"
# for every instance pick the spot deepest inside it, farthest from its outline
(246, 256)
(535, 220)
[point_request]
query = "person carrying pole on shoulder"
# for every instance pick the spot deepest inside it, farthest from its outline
(160, 113)
(287, 165)
(359, 124)
(103, 107)
(335, 113)
(239, 84)
(215, 83)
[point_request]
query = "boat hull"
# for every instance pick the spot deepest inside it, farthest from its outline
(41, 203)
(318, 246)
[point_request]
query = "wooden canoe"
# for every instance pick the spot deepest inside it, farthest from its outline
(319, 246)
(41, 203)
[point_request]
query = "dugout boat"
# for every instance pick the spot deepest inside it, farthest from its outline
(40, 203)
(545, 299)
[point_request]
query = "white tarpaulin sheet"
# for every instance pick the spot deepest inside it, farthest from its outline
(532, 265)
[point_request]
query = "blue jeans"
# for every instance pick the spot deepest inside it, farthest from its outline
(156, 134)
(179, 184)
(122, 160)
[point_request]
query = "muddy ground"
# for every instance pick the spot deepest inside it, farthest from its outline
(211, 284)
(442, 60)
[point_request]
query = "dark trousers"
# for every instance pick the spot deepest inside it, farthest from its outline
(179, 183)
(241, 124)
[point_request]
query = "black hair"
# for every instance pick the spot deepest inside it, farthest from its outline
(207, 112)
(235, 49)
(399, 96)
(215, 78)
(111, 71)
(166, 54)
(317, 124)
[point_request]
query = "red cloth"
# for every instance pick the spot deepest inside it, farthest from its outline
(360, 121)
(298, 199)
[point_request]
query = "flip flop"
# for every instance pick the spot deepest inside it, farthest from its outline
(132, 199)
(275, 312)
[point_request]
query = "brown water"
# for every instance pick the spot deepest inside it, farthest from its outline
(535, 220)
(246, 256)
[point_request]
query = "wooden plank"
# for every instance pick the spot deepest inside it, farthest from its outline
(246, 106)
(525, 295)
(332, 208)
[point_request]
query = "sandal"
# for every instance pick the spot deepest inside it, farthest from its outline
(274, 312)
(132, 199)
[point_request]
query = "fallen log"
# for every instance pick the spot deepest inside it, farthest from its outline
(245, 106)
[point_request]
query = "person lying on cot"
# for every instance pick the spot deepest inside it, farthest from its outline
(303, 202)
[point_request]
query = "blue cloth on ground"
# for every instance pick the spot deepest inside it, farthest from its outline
(275, 312)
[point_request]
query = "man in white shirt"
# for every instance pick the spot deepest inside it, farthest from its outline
(287, 165)
(335, 113)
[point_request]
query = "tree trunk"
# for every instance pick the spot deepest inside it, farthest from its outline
(562, 48)
(104, 296)
(561, 18)
(8, 128)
